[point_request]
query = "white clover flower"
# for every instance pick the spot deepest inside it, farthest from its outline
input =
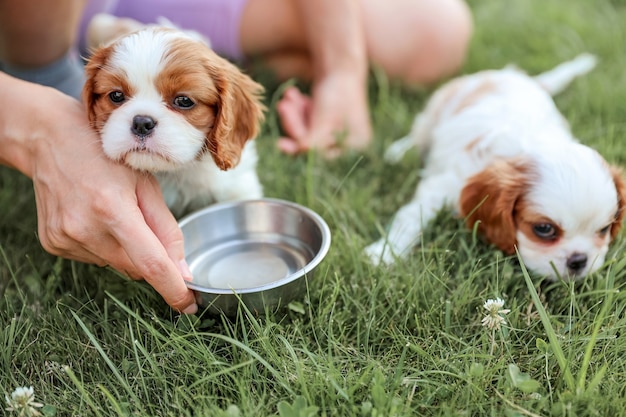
(494, 320)
(22, 401)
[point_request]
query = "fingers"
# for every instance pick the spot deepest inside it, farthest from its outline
(160, 219)
(101, 250)
(114, 231)
(289, 146)
(330, 121)
(293, 111)
(131, 248)
(169, 237)
(94, 210)
(152, 261)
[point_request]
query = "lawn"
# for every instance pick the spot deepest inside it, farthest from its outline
(364, 341)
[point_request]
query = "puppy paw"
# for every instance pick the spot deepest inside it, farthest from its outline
(395, 152)
(379, 253)
(104, 29)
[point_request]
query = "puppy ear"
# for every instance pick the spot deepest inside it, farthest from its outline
(620, 187)
(96, 62)
(239, 113)
(490, 196)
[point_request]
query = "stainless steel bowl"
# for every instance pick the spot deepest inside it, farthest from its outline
(256, 252)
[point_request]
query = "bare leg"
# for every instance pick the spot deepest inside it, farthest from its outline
(36, 40)
(35, 33)
(416, 41)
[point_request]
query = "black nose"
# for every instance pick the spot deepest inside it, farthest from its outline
(143, 125)
(576, 262)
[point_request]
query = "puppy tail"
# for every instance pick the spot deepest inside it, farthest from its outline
(104, 29)
(558, 78)
(418, 137)
(396, 150)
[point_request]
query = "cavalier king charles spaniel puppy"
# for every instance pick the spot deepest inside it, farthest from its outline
(163, 102)
(502, 156)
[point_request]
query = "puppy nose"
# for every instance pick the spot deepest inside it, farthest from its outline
(576, 262)
(142, 125)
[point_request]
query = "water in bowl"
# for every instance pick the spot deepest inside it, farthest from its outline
(239, 264)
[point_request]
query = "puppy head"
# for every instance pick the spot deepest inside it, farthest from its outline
(160, 100)
(560, 209)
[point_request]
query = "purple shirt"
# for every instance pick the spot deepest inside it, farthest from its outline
(218, 20)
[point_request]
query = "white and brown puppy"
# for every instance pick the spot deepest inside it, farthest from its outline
(502, 156)
(164, 102)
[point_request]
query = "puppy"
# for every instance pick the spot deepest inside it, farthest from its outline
(163, 102)
(502, 156)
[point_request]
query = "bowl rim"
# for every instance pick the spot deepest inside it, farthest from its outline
(302, 272)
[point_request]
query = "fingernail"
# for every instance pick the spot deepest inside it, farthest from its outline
(190, 309)
(184, 269)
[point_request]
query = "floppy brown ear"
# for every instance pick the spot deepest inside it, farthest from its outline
(96, 62)
(620, 187)
(489, 198)
(239, 113)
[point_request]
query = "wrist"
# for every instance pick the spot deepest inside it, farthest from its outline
(348, 82)
(351, 66)
(335, 36)
(31, 114)
(14, 151)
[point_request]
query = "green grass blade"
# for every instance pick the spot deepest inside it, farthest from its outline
(552, 337)
(107, 360)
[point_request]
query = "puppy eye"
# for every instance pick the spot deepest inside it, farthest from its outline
(604, 230)
(117, 97)
(544, 231)
(183, 102)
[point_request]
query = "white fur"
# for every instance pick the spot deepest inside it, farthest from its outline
(201, 183)
(574, 185)
(187, 183)
(578, 191)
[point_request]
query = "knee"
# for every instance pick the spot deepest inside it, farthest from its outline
(446, 47)
(435, 42)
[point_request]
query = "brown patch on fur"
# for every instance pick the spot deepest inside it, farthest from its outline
(473, 143)
(620, 187)
(442, 97)
(227, 109)
(100, 81)
(484, 88)
(490, 198)
(525, 219)
(231, 110)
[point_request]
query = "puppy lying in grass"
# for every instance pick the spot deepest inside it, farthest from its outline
(501, 155)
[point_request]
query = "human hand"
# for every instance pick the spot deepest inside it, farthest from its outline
(94, 210)
(333, 119)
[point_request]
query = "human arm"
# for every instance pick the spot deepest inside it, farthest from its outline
(89, 208)
(337, 107)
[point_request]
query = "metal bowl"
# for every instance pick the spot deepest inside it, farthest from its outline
(256, 252)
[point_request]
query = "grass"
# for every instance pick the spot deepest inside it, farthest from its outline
(364, 341)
